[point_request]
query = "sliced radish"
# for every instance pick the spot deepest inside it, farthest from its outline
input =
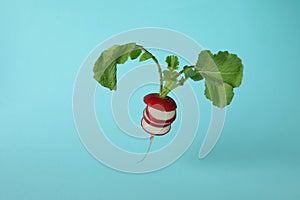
(154, 130)
(159, 114)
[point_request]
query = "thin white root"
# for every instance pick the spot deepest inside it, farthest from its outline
(148, 150)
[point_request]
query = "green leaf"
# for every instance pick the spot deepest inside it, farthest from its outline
(222, 67)
(220, 94)
(135, 53)
(109, 76)
(145, 56)
(222, 73)
(105, 68)
(197, 77)
(122, 59)
(172, 62)
(181, 81)
(170, 75)
(190, 72)
(170, 79)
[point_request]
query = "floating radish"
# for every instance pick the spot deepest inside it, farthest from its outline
(221, 72)
(158, 115)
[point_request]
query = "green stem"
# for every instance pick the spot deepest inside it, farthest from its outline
(164, 92)
(167, 88)
(158, 67)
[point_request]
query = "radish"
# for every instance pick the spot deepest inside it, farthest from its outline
(222, 72)
(158, 116)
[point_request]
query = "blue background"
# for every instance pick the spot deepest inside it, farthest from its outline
(42, 45)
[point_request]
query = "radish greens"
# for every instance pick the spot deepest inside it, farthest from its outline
(221, 72)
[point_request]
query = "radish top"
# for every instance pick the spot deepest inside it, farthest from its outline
(221, 72)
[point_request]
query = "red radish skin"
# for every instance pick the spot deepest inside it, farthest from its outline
(164, 104)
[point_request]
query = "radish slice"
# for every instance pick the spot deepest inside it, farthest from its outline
(161, 115)
(154, 130)
(163, 104)
(159, 118)
(153, 123)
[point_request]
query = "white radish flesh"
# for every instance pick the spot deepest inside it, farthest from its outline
(157, 123)
(161, 115)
